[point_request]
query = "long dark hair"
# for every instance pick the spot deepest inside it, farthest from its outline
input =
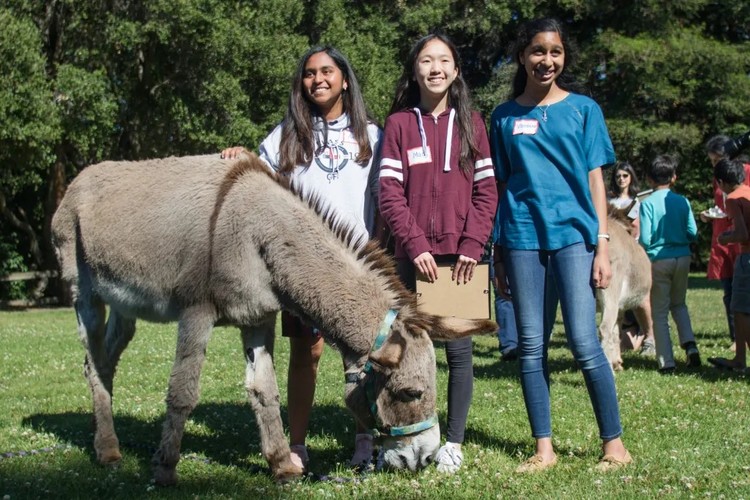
(297, 135)
(407, 96)
(614, 189)
(526, 34)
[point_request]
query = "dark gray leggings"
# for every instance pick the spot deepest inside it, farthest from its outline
(458, 353)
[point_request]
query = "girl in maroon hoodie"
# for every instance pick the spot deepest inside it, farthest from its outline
(438, 195)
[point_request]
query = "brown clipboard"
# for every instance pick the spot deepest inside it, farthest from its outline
(445, 297)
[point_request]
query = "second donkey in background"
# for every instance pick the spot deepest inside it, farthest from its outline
(630, 287)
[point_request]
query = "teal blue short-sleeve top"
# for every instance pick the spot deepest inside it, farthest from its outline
(544, 155)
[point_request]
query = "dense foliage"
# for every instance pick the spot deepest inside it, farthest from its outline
(84, 80)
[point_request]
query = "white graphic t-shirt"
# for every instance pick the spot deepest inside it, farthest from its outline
(334, 175)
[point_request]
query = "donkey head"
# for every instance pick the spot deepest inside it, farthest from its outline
(620, 216)
(394, 392)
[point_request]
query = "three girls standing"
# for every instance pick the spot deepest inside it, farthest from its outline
(438, 195)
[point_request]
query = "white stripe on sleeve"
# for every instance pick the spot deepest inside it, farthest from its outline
(483, 163)
(390, 162)
(479, 175)
(398, 175)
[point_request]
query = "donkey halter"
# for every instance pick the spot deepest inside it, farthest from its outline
(361, 377)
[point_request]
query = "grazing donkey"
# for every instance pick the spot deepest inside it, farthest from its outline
(630, 287)
(201, 241)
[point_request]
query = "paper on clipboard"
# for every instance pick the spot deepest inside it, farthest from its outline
(445, 297)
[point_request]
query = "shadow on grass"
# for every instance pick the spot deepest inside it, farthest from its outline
(231, 436)
(498, 369)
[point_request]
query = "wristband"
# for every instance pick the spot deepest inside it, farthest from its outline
(603, 236)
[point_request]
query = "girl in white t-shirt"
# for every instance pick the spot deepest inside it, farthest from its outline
(328, 146)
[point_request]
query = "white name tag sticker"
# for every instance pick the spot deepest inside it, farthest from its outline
(525, 127)
(418, 156)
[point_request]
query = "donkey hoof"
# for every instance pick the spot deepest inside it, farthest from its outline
(617, 366)
(110, 457)
(287, 472)
(164, 476)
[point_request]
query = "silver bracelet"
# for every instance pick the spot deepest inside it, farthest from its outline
(603, 235)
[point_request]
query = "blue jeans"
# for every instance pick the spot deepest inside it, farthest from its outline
(507, 335)
(571, 268)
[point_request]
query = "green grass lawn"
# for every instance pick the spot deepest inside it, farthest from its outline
(688, 433)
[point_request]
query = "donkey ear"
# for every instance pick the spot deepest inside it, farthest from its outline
(390, 353)
(449, 328)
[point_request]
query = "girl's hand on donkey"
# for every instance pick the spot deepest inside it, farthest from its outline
(233, 153)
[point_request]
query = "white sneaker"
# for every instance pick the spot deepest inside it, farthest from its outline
(299, 455)
(362, 457)
(449, 458)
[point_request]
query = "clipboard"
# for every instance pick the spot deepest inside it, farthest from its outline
(445, 297)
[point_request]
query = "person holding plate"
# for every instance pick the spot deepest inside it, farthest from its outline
(723, 255)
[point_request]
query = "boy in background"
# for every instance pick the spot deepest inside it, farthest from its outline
(667, 229)
(729, 175)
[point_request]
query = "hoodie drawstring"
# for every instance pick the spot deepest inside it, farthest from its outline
(448, 138)
(449, 142)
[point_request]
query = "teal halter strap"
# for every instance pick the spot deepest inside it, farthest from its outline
(385, 328)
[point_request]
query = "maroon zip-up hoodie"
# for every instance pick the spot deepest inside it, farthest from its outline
(430, 204)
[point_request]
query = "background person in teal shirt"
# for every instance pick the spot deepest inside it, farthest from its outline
(667, 229)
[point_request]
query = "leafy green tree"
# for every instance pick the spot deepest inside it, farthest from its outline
(85, 80)
(30, 127)
(668, 80)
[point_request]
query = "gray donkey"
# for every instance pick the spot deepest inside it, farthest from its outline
(630, 287)
(202, 241)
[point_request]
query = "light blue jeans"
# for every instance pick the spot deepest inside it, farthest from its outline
(507, 333)
(571, 269)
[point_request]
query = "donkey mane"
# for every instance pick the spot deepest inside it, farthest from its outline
(370, 254)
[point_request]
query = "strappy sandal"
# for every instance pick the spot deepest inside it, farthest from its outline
(610, 462)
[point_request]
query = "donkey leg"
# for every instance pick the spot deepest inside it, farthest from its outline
(608, 328)
(90, 313)
(120, 331)
(194, 331)
(263, 393)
